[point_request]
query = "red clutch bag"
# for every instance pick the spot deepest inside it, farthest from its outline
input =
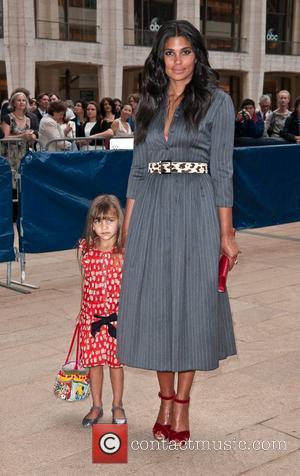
(223, 273)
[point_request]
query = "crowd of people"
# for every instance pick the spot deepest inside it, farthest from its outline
(50, 119)
(263, 126)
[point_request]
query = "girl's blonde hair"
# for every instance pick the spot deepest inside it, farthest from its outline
(100, 207)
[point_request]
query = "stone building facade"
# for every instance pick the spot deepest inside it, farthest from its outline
(92, 48)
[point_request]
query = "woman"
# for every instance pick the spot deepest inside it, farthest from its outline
(107, 111)
(178, 221)
(17, 125)
(51, 128)
(133, 100)
(93, 128)
(120, 127)
(291, 130)
(117, 106)
(80, 117)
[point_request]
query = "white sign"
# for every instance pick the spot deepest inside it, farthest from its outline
(272, 35)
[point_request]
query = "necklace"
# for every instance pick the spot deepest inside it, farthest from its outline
(18, 117)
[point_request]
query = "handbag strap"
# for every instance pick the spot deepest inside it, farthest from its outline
(75, 334)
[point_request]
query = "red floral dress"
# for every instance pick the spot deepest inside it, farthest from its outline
(101, 291)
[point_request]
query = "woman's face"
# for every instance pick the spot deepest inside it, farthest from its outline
(91, 112)
(78, 109)
(118, 106)
(20, 102)
(59, 116)
(107, 106)
(126, 112)
(179, 59)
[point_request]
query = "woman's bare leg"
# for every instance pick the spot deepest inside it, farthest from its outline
(166, 386)
(180, 417)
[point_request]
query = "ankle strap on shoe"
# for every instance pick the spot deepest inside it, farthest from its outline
(181, 401)
(166, 398)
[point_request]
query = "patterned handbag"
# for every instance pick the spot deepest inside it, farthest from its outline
(72, 382)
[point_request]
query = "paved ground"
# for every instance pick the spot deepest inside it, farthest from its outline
(253, 397)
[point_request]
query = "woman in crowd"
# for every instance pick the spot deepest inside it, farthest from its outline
(54, 98)
(93, 127)
(80, 117)
(178, 222)
(118, 107)
(51, 128)
(17, 124)
(291, 130)
(133, 100)
(107, 111)
(121, 127)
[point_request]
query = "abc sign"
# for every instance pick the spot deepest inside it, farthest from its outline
(154, 26)
(272, 35)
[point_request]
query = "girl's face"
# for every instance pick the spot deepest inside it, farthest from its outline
(91, 112)
(106, 228)
(179, 59)
(126, 112)
(20, 102)
(107, 106)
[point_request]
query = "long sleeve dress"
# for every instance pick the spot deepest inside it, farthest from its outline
(171, 316)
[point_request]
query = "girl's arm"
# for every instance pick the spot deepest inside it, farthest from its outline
(79, 314)
(228, 244)
(127, 218)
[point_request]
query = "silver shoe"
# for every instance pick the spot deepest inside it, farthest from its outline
(88, 422)
(118, 421)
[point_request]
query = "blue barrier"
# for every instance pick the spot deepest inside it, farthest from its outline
(57, 187)
(56, 190)
(266, 185)
(6, 217)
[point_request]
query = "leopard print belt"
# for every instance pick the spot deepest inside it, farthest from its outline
(168, 167)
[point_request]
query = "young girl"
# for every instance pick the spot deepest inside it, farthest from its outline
(101, 260)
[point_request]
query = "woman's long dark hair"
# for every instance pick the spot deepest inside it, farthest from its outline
(197, 96)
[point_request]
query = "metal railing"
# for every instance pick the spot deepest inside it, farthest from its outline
(71, 31)
(73, 144)
(278, 47)
(222, 43)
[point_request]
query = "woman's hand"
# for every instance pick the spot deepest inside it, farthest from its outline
(230, 248)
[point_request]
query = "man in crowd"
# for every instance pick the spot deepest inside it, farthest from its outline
(248, 123)
(276, 119)
(43, 103)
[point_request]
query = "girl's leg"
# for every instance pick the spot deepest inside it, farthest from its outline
(96, 390)
(166, 386)
(117, 383)
(180, 419)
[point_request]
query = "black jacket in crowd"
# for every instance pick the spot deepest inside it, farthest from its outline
(291, 128)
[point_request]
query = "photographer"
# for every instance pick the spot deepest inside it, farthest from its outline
(247, 123)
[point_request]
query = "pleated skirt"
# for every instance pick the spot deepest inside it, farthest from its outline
(171, 315)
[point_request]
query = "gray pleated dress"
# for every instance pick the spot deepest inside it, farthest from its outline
(171, 316)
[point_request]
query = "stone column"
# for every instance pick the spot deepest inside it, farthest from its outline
(19, 36)
(254, 30)
(189, 10)
(112, 38)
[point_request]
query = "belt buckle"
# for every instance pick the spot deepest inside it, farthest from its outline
(162, 171)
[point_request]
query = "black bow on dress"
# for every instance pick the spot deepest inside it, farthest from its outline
(105, 321)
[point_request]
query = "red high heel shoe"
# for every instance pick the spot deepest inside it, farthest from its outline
(179, 437)
(160, 431)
